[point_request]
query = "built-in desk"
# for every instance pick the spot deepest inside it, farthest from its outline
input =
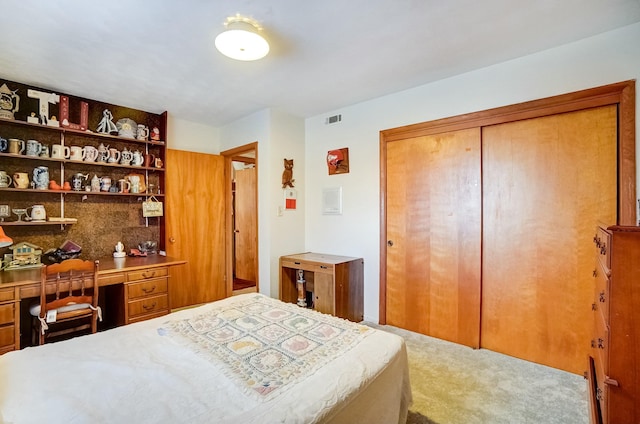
(140, 286)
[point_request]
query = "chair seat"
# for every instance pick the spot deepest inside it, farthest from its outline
(34, 310)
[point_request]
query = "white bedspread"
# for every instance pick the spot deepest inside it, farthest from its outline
(188, 367)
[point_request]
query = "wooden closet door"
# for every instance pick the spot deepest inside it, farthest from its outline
(546, 182)
(433, 232)
(245, 231)
(195, 226)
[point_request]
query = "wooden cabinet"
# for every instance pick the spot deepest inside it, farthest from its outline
(113, 214)
(333, 284)
(613, 369)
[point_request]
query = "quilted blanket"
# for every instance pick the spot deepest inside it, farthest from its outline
(266, 345)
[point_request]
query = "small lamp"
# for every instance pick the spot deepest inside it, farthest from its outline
(5, 240)
(242, 39)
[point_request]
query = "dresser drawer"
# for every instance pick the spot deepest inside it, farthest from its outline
(307, 266)
(7, 313)
(7, 336)
(602, 391)
(600, 342)
(144, 274)
(147, 288)
(602, 241)
(148, 305)
(601, 295)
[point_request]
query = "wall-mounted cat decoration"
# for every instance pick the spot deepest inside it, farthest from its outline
(287, 174)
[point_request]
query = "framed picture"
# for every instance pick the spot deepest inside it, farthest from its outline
(332, 201)
(338, 161)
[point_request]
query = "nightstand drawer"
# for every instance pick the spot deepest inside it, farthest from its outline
(307, 266)
(144, 274)
(148, 305)
(148, 288)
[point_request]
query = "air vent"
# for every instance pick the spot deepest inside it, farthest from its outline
(333, 119)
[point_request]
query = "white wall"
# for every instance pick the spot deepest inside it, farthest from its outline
(278, 135)
(604, 59)
(191, 136)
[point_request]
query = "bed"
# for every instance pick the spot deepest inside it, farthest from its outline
(244, 359)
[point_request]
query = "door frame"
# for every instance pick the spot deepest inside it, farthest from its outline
(247, 153)
(621, 94)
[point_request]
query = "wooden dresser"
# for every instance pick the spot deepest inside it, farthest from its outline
(334, 284)
(614, 362)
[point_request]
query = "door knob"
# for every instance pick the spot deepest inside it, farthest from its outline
(172, 240)
(389, 243)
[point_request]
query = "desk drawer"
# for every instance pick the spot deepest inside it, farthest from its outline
(147, 287)
(109, 279)
(7, 336)
(7, 294)
(313, 267)
(144, 274)
(148, 305)
(7, 314)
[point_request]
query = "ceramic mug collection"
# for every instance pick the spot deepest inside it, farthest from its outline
(101, 154)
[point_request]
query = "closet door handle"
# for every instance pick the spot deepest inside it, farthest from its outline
(389, 243)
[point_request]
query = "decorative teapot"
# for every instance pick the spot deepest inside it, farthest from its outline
(126, 157)
(38, 213)
(41, 177)
(137, 159)
(9, 102)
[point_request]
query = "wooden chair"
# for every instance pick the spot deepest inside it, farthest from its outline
(68, 300)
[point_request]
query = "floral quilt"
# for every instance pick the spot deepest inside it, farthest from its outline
(264, 344)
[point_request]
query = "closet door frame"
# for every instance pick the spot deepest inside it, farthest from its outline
(621, 94)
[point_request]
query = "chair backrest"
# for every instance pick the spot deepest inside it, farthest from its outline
(73, 281)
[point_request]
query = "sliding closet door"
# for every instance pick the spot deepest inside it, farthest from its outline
(433, 232)
(546, 182)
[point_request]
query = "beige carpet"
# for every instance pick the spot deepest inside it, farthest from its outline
(454, 384)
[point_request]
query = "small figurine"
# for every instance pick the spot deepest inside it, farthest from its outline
(119, 251)
(287, 174)
(155, 134)
(106, 125)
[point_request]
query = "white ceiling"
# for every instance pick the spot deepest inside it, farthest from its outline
(158, 55)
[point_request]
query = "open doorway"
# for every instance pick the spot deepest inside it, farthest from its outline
(242, 218)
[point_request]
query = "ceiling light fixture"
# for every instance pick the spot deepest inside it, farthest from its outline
(242, 39)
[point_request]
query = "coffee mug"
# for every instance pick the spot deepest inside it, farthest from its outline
(124, 185)
(34, 148)
(5, 179)
(76, 153)
(58, 151)
(44, 153)
(4, 145)
(21, 180)
(90, 154)
(16, 146)
(143, 132)
(105, 183)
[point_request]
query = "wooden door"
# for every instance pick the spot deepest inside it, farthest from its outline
(433, 230)
(195, 226)
(245, 231)
(546, 183)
